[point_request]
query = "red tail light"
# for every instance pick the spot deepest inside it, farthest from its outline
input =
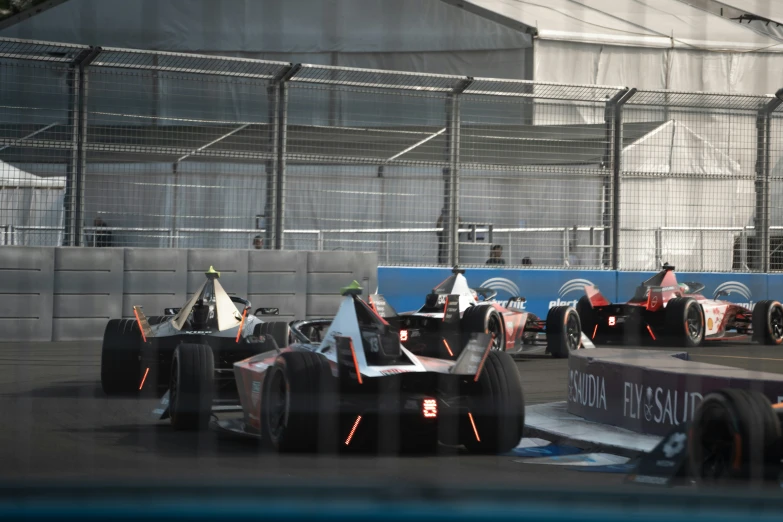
(429, 408)
(403, 335)
(612, 320)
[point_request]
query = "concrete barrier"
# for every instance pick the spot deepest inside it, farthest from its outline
(68, 294)
(650, 391)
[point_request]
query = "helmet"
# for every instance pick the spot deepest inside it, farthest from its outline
(684, 288)
(474, 294)
(200, 314)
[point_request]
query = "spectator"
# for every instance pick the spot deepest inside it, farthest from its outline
(526, 261)
(258, 242)
(102, 238)
(496, 256)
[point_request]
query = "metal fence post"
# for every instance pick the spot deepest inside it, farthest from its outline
(270, 207)
(619, 101)
(281, 137)
(82, 62)
(763, 124)
(452, 185)
(77, 122)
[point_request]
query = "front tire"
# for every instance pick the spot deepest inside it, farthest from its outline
(299, 404)
(735, 435)
(563, 331)
(768, 322)
(120, 364)
(684, 322)
(484, 319)
(497, 407)
(191, 386)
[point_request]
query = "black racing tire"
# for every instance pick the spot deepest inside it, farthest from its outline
(563, 331)
(299, 404)
(484, 319)
(684, 319)
(496, 406)
(735, 435)
(768, 322)
(191, 387)
(588, 319)
(279, 330)
(120, 357)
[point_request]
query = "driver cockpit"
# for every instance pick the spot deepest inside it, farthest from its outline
(202, 314)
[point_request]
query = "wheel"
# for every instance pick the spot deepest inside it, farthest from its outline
(191, 386)
(299, 404)
(485, 319)
(684, 322)
(497, 407)
(279, 330)
(563, 331)
(768, 322)
(587, 316)
(120, 366)
(735, 435)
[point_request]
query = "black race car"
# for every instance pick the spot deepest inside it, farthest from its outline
(137, 353)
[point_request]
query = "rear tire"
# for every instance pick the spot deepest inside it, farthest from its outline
(279, 330)
(563, 331)
(768, 322)
(484, 319)
(497, 407)
(191, 386)
(684, 322)
(588, 319)
(299, 404)
(735, 435)
(120, 364)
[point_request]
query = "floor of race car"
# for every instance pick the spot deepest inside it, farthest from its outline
(58, 424)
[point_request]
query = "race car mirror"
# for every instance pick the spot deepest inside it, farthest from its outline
(267, 311)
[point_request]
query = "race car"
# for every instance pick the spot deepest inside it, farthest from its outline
(358, 388)
(663, 310)
(453, 311)
(137, 353)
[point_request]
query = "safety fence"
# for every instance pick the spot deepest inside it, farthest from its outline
(116, 147)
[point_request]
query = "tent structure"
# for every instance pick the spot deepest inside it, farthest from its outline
(763, 16)
(31, 207)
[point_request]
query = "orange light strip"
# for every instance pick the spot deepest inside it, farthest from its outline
(355, 363)
(144, 379)
(353, 430)
(448, 348)
(481, 364)
(241, 324)
(445, 306)
(475, 431)
(136, 313)
(651, 332)
(595, 331)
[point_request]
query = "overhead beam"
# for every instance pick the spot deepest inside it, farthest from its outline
(29, 12)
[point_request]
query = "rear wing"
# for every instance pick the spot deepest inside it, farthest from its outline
(381, 307)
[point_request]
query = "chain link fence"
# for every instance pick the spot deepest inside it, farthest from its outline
(115, 147)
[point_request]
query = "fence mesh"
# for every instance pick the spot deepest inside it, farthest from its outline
(184, 150)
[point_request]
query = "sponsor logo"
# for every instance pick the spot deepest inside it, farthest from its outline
(735, 287)
(570, 287)
(393, 371)
(586, 389)
(501, 284)
(659, 405)
(674, 445)
(255, 393)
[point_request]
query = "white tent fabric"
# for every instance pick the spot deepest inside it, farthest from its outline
(336, 32)
(769, 9)
(32, 205)
(690, 185)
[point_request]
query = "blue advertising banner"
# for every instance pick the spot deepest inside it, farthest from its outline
(405, 288)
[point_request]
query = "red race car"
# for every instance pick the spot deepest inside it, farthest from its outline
(453, 311)
(663, 310)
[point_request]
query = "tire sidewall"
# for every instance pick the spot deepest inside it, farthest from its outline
(690, 342)
(279, 370)
(769, 335)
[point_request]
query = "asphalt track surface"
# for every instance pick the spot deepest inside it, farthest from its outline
(58, 424)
